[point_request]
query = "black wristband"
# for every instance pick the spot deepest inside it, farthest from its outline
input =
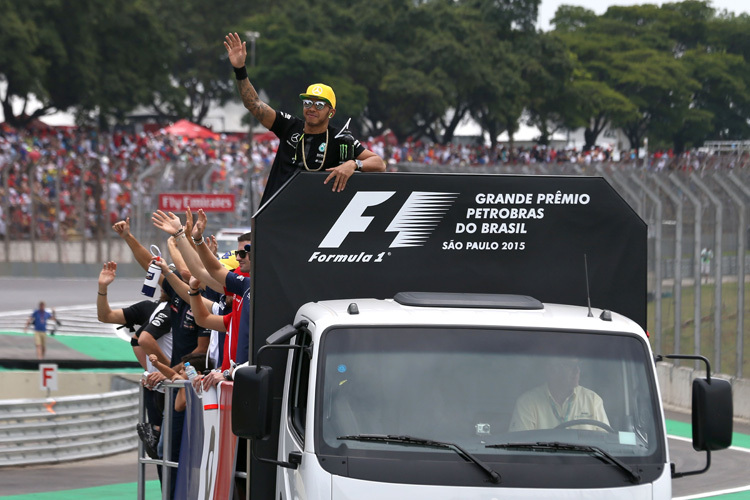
(134, 341)
(240, 73)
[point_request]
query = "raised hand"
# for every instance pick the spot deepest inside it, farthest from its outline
(108, 273)
(122, 228)
(237, 49)
(213, 245)
(167, 222)
(188, 221)
(200, 224)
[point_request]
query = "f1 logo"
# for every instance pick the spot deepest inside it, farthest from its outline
(414, 223)
(351, 219)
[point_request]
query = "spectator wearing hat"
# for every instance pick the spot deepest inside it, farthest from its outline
(306, 144)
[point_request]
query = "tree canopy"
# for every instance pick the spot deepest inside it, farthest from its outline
(676, 73)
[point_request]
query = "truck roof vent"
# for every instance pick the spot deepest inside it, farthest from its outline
(469, 300)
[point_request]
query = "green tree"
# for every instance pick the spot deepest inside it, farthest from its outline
(87, 56)
(20, 61)
(599, 102)
(547, 69)
(416, 68)
(721, 103)
(681, 68)
(199, 75)
(121, 71)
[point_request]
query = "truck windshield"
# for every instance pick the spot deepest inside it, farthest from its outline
(488, 391)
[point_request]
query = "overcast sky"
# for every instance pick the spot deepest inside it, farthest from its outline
(548, 7)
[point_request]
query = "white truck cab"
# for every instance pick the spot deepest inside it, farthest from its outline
(426, 353)
(441, 396)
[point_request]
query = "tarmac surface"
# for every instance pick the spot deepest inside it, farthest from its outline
(117, 473)
(21, 294)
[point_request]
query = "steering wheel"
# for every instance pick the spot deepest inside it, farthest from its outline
(586, 421)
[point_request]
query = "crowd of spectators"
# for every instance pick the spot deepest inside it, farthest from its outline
(77, 182)
(82, 180)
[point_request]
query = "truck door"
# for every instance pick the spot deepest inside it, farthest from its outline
(294, 425)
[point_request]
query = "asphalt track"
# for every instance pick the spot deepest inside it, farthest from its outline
(114, 478)
(26, 293)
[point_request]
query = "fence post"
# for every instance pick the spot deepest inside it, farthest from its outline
(141, 493)
(741, 207)
(32, 210)
(718, 232)
(5, 201)
(677, 262)
(615, 181)
(698, 221)
(657, 258)
(82, 210)
(58, 211)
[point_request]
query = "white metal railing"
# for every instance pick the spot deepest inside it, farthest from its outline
(50, 430)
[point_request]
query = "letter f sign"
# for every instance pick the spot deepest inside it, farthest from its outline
(351, 219)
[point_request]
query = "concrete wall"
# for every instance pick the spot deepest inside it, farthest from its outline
(676, 383)
(71, 261)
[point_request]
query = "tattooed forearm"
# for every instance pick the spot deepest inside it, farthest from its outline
(252, 102)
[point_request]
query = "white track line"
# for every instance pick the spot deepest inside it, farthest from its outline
(716, 493)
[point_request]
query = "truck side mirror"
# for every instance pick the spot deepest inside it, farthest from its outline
(252, 399)
(712, 414)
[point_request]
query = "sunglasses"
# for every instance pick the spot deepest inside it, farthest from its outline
(241, 253)
(307, 103)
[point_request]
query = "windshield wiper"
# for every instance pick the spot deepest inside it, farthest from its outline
(591, 450)
(415, 441)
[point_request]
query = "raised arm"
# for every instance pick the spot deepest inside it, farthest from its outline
(141, 254)
(207, 255)
(202, 315)
(176, 255)
(104, 312)
(174, 281)
(237, 51)
(171, 224)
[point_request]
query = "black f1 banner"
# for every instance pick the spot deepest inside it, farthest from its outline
(387, 233)
(390, 233)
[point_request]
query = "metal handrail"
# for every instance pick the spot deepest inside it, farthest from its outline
(166, 434)
(33, 431)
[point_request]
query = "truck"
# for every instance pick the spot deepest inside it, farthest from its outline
(403, 330)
